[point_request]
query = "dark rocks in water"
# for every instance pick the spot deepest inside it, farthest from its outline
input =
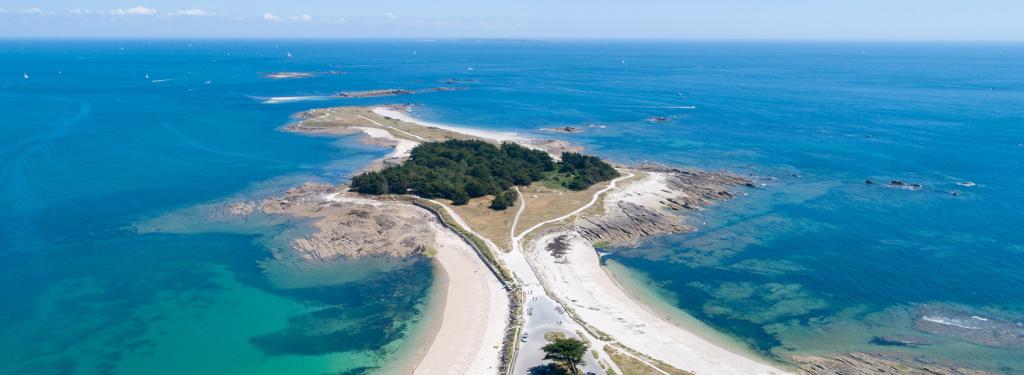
(657, 119)
(874, 363)
(375, 93)
(566, 130)
(897, 341)
(904, 185)
(452, 81)
(869, 182)
(439, 89)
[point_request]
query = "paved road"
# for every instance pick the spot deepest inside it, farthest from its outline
(545, 318)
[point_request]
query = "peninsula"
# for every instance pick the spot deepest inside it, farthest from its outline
(513, 222)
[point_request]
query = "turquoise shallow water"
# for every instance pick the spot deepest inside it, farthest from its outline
(816, 261)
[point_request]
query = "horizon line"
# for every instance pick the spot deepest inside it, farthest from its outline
(513, 39)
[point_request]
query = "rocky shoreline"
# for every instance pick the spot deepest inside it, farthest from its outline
(347, 226)
(642, 209)
(875, 363)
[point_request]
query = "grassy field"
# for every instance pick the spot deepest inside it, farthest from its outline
(495, 225)
(544, 202)
(552, 336)
(633, 366)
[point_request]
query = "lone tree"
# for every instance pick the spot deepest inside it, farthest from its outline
(567, 352)
(504, 200)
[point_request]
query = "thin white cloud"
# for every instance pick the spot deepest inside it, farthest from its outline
(2, 10)
(390, 16)
(31, 11)
(270, 17)
(136, 11)
(194, 12)
(301, 18)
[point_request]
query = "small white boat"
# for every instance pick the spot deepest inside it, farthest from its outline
(147, 76)
(25, 75)
(290, 55)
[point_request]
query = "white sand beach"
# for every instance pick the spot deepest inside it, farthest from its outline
(601, 302)
(485, 134)
(402, 147)
(476, 310)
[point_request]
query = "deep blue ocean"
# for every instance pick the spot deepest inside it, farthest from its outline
(106, 135)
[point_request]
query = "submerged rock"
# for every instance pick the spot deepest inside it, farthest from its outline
(566, 130)
(873, 363)
(981, 330)
(897, 341)
(375, 93)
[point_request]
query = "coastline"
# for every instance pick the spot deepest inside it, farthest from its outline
(649, 298)
(474, 313)
(475, 309)
(405, 116)
(604, 304)
(413, 350)
(465, 323)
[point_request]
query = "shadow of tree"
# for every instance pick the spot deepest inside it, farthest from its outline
(547, 369)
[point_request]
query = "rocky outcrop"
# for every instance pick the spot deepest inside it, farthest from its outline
(355, 231)
(872, 364)
(693, 189)
(345, 226)
(642, 208)
(629, 223)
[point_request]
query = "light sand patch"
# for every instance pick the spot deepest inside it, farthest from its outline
(485, 134)
(475, 313)
(402, 147)
(599, 301)
(645, 191)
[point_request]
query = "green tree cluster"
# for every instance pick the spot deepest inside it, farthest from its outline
(460, 170)
(567, 352)
(585, 170)
(504, 200)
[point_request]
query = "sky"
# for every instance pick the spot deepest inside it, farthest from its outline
(569, 19)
